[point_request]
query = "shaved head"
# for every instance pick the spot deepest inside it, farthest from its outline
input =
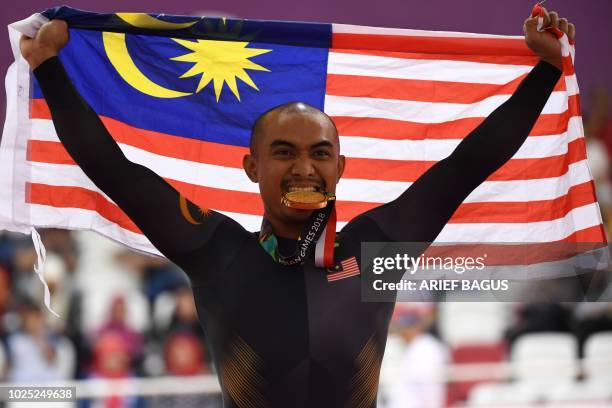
(279, 112)
(294, 145)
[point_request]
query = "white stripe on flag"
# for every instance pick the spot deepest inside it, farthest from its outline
(79, 219)
(434, 150)
(368, 190)
(427, 70)
(426, 112)
(355, 29)
(543, 231)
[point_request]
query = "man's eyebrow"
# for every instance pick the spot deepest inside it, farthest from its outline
(279, 142)
(324, 143)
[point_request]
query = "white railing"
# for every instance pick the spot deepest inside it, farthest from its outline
(208, 384)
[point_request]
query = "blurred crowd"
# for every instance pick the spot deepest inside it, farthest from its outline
(125, 314)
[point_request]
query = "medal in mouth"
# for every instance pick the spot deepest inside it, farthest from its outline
(306, 198)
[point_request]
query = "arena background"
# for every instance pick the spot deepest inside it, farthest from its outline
(150, 340)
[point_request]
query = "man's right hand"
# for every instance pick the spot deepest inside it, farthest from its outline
(47, 43)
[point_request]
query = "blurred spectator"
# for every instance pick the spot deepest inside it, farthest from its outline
(540, 317)
(598, 122)
(418, 376)
(158, 274)
(6, 248)
(33, 351)
(590, 318)
(111, 356)
(114, 334)
(184, 352)
(62, 243)
(598, 133)
(5, 290)
(183, 355)
(112, 360)
(116, 353)
(58, 244)
(62, 290)
(185, 317)
(184, 349)
(599, 164)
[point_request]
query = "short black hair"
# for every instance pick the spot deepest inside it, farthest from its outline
(289, 107)
(27, 304)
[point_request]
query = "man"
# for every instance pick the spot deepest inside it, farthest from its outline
(34, 351)
(415, 377)
(281, 333)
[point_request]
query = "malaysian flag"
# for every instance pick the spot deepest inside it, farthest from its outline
(179, 95)
(349, 267)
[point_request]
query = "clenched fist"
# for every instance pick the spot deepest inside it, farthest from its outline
(47, 43)
(543, 43)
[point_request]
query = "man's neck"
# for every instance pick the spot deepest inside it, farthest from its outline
(283, 230)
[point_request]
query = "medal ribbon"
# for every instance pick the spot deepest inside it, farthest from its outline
(319, 232)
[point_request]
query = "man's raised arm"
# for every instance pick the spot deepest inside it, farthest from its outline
(421, 212)
(146, 198)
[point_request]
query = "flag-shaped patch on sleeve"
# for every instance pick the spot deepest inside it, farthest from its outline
(349, 267)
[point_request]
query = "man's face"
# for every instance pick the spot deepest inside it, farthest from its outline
(295, 150)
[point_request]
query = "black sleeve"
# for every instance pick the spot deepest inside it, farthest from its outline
(150, 202)
(421, 212)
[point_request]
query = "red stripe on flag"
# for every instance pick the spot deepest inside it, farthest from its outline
(449, 47)
(568, 65)
(44, 151)
(161, 143)
(431, 45)
(221, 199)
(526, 211)
(175, 146)
(419, 90)
(231, 156)
(392, 129)
(39, 109)
(78, 197)
(250, 203)
(595, 233)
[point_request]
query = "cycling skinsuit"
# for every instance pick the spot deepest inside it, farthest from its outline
(286, 336)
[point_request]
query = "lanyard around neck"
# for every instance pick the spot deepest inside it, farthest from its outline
(318, 234)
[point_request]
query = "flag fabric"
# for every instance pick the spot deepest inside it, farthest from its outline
(180, 94)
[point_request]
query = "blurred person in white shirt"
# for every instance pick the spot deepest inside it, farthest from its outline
(33, 350)
(598, 138)
(413, 371)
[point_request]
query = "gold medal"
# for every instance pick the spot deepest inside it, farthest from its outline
(306, 200)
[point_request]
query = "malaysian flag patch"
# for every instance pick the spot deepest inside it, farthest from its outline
(349, 268)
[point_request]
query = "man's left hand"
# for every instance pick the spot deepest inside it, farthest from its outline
(543, 43)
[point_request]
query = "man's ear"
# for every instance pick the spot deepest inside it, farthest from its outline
(341, 164)
(250, 167)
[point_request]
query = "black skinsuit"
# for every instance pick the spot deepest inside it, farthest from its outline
(285, 336)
